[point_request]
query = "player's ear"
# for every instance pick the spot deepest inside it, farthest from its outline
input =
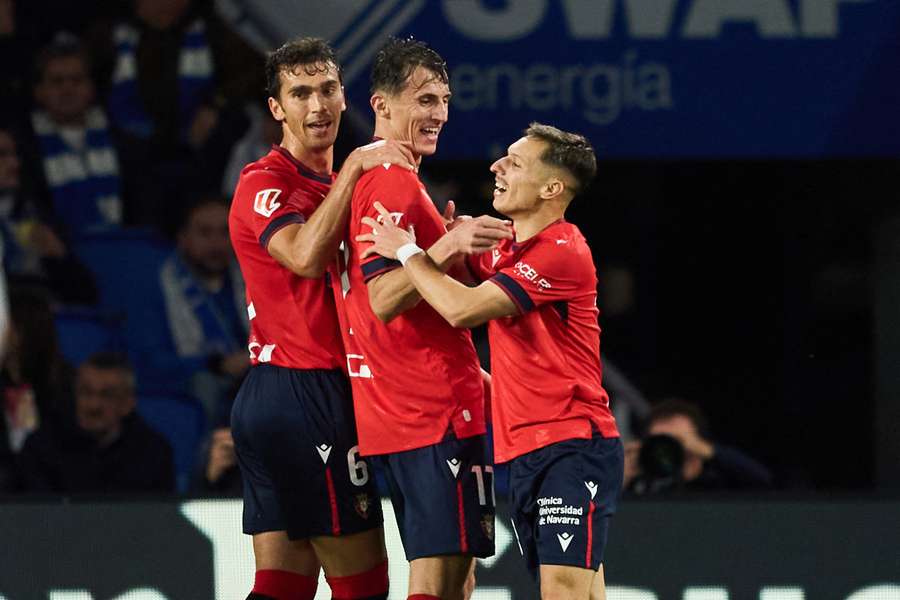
(379, 105)
(554, 188)
(343, 100)
(276, 110)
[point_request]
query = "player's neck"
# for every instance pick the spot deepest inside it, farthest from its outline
(383, 132)
(529, 225)
(320, 161)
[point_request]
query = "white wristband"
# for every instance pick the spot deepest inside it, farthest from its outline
(405, 251)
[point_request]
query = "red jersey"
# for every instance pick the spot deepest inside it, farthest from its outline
(293, 321)
(416, 376)
(545, 362)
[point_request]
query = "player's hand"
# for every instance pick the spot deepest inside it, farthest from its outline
(474, 236)
(632, 464)
(386, 238)
(384, 152)
(451, 220)
(46, 242)
(236, 363)
(221, 454)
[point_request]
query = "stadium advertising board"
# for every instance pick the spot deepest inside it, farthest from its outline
(733, 550)
(642, 78)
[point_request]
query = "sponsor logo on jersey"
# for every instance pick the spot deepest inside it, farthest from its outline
(592, 488)
(561, 242)
(324, 451)
(453, 463)
(495, 256)
(362, 505)
(564, 540)
(265, 202)
(526, 271)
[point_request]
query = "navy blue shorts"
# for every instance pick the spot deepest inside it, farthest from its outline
(562, 497)
(443, 498)
(295, 440)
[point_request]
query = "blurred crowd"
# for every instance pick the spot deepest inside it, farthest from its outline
(122, 135)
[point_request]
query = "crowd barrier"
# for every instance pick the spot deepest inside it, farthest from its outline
(192, 549)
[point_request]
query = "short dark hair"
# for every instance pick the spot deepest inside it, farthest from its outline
(65, 45)
(569, 151)
(306, 52)
(112, 361)
(397, 60)
(190, 208)
(675, 407)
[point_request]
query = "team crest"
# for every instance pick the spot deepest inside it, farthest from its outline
(265, 202)
(487, 526)
(362, 505)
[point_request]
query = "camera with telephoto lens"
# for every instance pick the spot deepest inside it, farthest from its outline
(661, 460)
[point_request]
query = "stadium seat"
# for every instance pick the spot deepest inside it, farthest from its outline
(124, 263)
(83, 331)
(183, 424)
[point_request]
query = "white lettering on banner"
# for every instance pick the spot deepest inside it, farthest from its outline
(877, 592)
(136, 594)
(516, 20)
(782, 593)
(621, 592)
(600, 91)
(819, 18)
(705, 593)
(647, 19)
(220, 522)
(772, 19)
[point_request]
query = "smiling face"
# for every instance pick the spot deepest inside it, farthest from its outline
(521, 177)
(309, 106)
(416, 114)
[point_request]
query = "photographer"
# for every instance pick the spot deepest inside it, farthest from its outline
(675, 454)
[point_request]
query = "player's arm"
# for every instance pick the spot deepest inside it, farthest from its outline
(306, 248)
(460, 305)
(393, 293)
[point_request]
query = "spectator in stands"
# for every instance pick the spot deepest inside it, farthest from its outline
(35, 382)
(201, 348)
(74, 145)
(676, 454)
(217, 471)
(177, 81)
(32, 250)
(264, 132)
(109, 449)
(13, 70)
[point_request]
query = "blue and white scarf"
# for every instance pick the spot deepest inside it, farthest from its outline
(195, 78)
(198, 328)
(84, 182)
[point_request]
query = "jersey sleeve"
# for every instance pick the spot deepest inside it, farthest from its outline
(399, 193)
(547, 273)
(269, 203)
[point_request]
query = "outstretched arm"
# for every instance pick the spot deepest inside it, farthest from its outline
(460, 305)
(307, 248)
